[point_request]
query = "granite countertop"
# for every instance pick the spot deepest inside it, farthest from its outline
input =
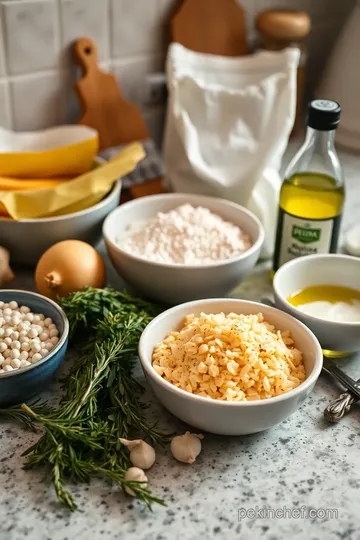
(304, 463)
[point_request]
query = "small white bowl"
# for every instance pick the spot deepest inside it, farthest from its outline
(311, 270)
(223, 417)
(176, 283)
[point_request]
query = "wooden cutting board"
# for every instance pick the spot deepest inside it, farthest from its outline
(103, 107)
(211, 26)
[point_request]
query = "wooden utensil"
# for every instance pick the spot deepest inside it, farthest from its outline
(104, 108)
(211, 26)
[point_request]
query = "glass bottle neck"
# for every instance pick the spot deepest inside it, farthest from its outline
(322, 141)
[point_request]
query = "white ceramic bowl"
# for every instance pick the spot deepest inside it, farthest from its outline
(28, 239)
(320, 270)
(170, 283)
(221, 417)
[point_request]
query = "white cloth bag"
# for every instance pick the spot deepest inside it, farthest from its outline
(227, 127)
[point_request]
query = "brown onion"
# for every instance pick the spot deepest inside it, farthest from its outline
(67, 267)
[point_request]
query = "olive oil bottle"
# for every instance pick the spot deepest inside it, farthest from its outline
(312, 194)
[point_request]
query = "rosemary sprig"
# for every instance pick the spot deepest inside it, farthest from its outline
(102, 400)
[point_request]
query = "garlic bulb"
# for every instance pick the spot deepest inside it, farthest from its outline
(186, 447)
(134, 474)
(142, 455)
(5, 270)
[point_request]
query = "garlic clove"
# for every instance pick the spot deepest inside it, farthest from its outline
(134, 474)
(6, 273)
(142, 455)
(187, 447)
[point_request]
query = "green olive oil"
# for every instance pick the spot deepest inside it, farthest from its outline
(312, 194)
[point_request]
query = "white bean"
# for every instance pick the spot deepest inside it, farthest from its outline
(13, 304)
(44, 352)
(24, 363)
(15, 353)
(14, 336)
(7, 353)
(48, 321)
(1, 304)
(54, 332)
(2, 332)
(24, 309)
(24, 355)
(35, 346)
(49, 346)
(8, 332)
(1, 359)
(8, 341)
(29, 317)
(16, 345)
(2, 321)
(23, 326)
(15, 363)
(25, 347)
(32, 333)
(36, 318)
(7, 311)
(44, 336)
(8, 368)
(36, 357)
(54, 340)
(3, 346)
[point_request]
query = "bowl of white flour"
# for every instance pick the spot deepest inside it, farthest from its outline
(178, 247)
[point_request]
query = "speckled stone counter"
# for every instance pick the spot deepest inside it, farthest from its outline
(305, 470)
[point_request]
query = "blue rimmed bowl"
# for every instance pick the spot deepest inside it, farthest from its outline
(22, 384)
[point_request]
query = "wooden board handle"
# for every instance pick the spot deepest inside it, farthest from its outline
(85, 51)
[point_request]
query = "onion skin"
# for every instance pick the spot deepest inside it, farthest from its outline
(67, 267)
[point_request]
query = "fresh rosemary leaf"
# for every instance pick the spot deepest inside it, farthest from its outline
(102, 400)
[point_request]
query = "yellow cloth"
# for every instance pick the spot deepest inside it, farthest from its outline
(72, 195)
(20, 184)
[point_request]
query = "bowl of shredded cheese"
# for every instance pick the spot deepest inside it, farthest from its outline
(229, 366)
(180, 247)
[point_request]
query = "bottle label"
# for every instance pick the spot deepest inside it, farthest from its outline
(298, 236)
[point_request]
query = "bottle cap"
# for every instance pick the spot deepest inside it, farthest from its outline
(324, 114)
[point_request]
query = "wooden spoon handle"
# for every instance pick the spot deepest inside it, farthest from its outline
(85, 51)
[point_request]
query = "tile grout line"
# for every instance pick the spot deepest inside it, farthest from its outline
(8, 91)
(58, 34)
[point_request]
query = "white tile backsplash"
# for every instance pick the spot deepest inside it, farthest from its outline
(37, 73)
(135, 27)
(5, 105)
(80, 18)
(132, 76)
(31, 37)
(41, 101)
(2, 49)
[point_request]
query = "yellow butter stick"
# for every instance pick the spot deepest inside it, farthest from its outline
(91, 186)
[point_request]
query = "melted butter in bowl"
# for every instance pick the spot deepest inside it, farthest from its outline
(328, 302)
(323, 292)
